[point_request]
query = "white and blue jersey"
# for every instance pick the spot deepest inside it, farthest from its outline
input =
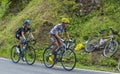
(58, 28)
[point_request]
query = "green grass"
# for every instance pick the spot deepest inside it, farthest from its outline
(101, 68)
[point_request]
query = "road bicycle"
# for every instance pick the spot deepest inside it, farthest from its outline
(29, 54)
(108, 43)
(64, 54)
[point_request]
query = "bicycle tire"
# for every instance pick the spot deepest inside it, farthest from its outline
(110, 45)
(30, 55)
(90, 45)
(118, 66)
(45, 58)
(66, 61)
(13, 50)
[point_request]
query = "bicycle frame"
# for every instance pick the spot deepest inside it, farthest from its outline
(66, 45)
(104, 40)
(27, 43)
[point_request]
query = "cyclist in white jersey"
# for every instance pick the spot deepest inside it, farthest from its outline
(56, 31)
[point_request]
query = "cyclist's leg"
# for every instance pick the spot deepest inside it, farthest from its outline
(18, 46)
(23, 48)
(22, 44)
(55, 47)
(55, 43)
(20, 38)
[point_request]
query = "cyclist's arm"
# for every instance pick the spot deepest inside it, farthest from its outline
(30, 32)
(23, 35)
(67, 35)
(31, 35)
(57, 35)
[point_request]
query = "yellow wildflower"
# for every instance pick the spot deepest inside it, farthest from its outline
(50, 59)
(79, 46)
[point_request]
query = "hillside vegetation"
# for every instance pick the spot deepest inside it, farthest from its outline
(81, 28)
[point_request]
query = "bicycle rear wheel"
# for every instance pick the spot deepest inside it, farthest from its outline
(15, 56)
(68, 60)
(110, 49)
(30, 55)
(49, 63)
(91, 43)
(119, 66)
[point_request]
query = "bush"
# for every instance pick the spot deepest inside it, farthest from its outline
(84, 59)
(107, 62)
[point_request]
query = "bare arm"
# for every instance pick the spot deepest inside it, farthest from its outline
(67, 35)
(23, 35)
(31, 35)
(58, 36)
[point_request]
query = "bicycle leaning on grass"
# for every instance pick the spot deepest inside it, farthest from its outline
(108, 43)
(64, 54)
(118, 66)
(28, 55)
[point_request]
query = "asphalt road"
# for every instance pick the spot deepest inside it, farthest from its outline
(8, 67)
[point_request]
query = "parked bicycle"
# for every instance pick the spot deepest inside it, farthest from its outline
(119, 66)
(108, 43)
(29, 54)
(65, 55)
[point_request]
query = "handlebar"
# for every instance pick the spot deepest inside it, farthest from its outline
(67, 41)
(34, 40)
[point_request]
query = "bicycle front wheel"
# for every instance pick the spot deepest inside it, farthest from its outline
(48, 60)
(110, 48)
(68, 60)
(30, 55)
(15, 56)
(91, 43)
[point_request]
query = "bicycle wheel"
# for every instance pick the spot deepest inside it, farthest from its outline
(30, 55)
(91, 43)
(47, 62)
(15, 56)
(119, 66)
(68, 60)
(110, 49)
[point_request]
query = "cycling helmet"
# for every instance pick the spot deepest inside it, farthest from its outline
(27, 22)
(65, 20)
